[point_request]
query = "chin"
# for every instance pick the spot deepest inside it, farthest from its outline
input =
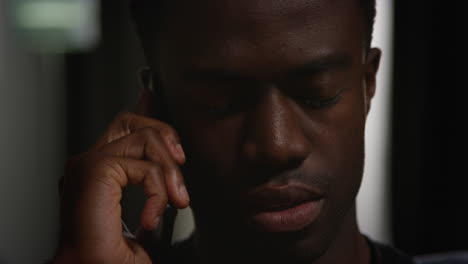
(304, 246)
(301, 247)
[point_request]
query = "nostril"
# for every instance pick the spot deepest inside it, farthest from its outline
(275, 157)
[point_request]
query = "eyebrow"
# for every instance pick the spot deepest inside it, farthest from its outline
(215, 74)
(325, 63)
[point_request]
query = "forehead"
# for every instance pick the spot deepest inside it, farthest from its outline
(234, 32)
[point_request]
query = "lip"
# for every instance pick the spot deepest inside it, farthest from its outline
(284, 208)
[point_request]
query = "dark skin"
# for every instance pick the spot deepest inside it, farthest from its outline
(259, 93)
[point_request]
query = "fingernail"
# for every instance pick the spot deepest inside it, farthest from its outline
(183, 193)
(180, 152)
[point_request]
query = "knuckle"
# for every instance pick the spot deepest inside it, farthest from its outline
(155, 175)
(148, 132)
(169, 168)
(169, 131)
(124, 115)
(124, 121)
(107, 172)
(162, 198)
(93, 165)
(155, 171)
(151, 134)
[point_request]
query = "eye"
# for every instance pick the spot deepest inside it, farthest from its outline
(320, 103)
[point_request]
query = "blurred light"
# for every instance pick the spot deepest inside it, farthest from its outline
(374, 199)
(58, 25)
(50, 15)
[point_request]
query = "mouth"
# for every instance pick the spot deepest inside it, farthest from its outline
(287, 208)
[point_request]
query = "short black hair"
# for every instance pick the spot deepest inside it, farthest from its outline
(369, 9)
(144, 13)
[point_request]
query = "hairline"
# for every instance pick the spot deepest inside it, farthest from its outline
(143, 10)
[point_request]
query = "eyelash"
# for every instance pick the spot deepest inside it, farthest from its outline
(320, 104)
(224, 110)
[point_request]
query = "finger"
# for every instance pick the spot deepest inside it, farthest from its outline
(127, 123)
(147, 144)
(151, 176)
(91, 203)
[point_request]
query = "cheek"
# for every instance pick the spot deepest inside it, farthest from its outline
(337, 136)
(346, 146)
(211, 160)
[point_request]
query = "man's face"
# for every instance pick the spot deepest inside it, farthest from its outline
(270, 100)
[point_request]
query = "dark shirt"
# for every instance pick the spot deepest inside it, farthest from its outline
(383, 254)
(182, 253)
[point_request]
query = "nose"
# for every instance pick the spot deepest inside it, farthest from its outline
(275, 135)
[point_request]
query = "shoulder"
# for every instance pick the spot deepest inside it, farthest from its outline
(444, 258)
(385, 254)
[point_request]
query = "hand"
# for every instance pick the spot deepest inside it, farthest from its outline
(134, 150)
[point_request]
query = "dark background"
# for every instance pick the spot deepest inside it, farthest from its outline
(429, 173)
(430, 176)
